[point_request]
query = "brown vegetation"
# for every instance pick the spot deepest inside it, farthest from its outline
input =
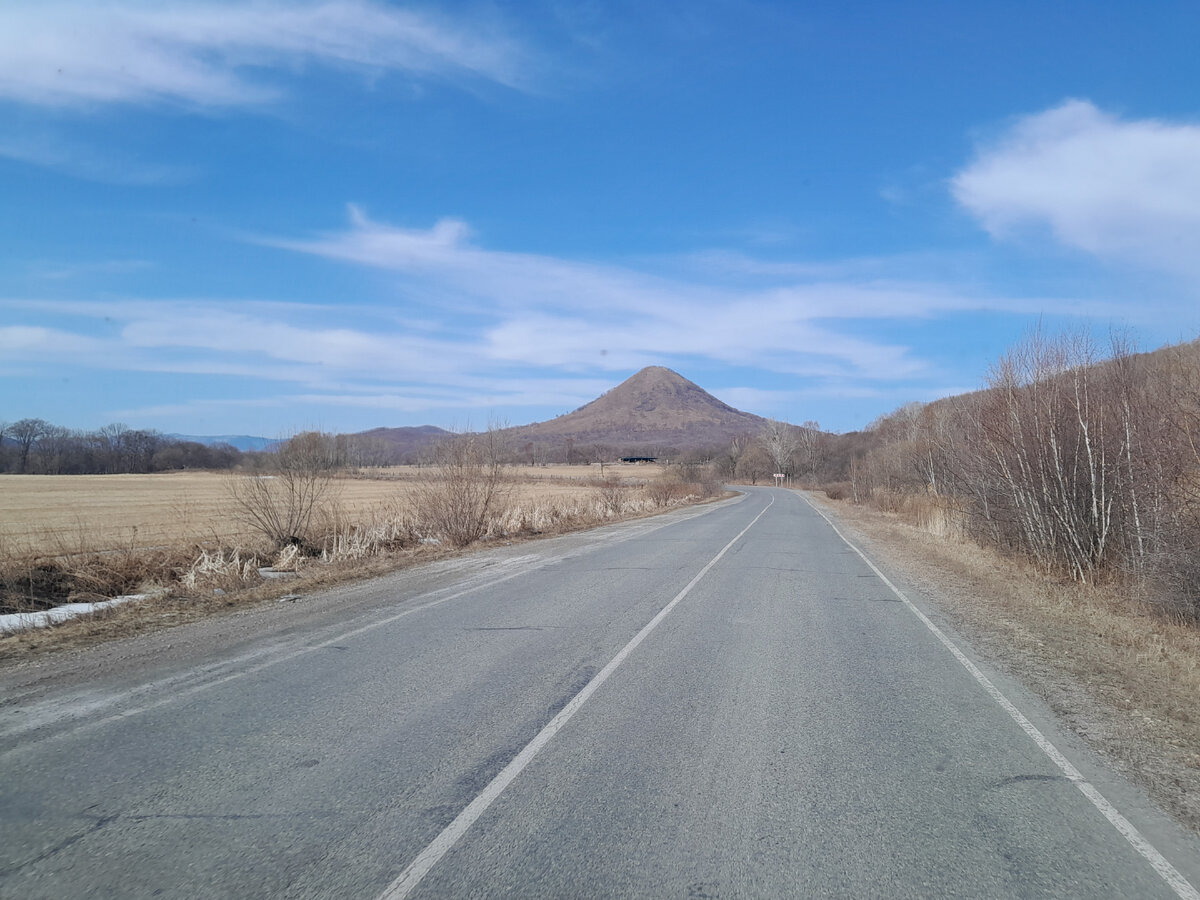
(214, 533)
(281, 504)
(1086, 466)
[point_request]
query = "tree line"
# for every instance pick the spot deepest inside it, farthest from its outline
(1083, 459)
(38, 447)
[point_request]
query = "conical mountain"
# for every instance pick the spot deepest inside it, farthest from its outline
(654, 406)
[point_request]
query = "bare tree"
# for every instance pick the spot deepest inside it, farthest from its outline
(55, 448)
(727, 461)
(26, 433)
(779, 440)
(810, 439)
(754, 463)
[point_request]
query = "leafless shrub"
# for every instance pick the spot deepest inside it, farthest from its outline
(663, 491)
(837, 490)
(681, 484)
(467, 489)
(281, 505)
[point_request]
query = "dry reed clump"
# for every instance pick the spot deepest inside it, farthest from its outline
(610, 501)
(388, 529)
(222, 569)
(548, 515)
(937, 515)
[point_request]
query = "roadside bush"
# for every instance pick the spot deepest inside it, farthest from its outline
(612, 495)
(282, 505)
(467, 490)
(837, 490)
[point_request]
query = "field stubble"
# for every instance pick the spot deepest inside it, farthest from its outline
(63, 515)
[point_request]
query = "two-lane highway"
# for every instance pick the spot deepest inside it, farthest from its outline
(726, 702)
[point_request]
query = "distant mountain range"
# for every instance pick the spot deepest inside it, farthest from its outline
(241, 441)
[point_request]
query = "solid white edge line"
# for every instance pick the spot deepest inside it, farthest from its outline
(450, 835)
(1166, 871)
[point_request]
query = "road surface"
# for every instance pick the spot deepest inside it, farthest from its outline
(726, 701)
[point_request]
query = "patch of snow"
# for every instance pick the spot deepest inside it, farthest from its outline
(14, 622)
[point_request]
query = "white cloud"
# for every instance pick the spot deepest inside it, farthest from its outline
(1122, 190)
(67, 52)
(19, 342)
(542, 310)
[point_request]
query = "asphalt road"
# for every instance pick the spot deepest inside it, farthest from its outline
(720, 702)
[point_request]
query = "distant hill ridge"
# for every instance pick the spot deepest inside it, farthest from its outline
(655, 410)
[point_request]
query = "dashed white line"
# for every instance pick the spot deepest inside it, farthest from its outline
(450, 835)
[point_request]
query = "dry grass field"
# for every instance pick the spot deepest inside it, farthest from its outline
(62, 515)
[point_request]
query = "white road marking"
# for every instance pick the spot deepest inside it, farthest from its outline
(1172, 876)
(428, 858)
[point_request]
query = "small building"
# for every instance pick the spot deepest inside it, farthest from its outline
(639, 459)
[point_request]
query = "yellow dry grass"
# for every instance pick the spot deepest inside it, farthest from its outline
(627, 472)
(61, 515)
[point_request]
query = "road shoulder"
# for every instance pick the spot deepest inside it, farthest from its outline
(1122, 678)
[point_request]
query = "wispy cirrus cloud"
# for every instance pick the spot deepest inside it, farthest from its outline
(272, 355)
(542, 310)
(215, 54)
(1122, 190)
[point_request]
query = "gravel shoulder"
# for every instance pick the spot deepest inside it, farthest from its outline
(1121, 675)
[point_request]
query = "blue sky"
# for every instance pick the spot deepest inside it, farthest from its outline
(263, 217)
